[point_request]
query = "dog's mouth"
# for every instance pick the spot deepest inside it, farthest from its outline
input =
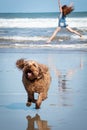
(29, 74)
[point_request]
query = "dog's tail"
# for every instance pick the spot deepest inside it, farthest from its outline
(20, 63)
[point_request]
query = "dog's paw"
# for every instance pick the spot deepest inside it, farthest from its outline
(28, 104)
(38, 105)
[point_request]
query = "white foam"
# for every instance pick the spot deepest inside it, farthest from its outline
(78, 46)
(77, 22)
(49, 46)
(21, 38)
(39, 38)
(40, 22)
(27, 23)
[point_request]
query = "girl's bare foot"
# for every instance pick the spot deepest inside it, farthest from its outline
(81, 36)
(48, 41)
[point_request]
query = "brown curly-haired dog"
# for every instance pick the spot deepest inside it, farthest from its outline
(36, 79)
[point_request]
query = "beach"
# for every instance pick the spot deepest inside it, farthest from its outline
(24, 35)
(66, 105)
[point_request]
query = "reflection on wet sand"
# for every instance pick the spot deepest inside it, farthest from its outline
(64, 77)
(66, 93)
(35, 123)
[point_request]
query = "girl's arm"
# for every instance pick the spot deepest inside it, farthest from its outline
(60, 6)
(71, 4)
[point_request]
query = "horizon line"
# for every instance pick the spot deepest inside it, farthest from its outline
(44, 12)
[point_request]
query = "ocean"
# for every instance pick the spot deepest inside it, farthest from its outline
(24, 30)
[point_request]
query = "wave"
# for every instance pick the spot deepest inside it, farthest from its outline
(61, 42)
(45, 46)
(21, 38)
(40, 22)
(41, 38)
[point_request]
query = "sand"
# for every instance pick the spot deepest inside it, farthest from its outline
(66, 105)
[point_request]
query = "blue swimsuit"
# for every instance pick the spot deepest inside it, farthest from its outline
(62, 21)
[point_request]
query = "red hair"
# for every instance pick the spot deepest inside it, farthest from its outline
(67, 9)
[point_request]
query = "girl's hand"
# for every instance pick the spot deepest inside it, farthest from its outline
(71, 4)
(60, 6)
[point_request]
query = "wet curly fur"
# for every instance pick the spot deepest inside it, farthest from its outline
(36, 79)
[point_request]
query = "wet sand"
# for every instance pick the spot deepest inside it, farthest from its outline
(66, 105)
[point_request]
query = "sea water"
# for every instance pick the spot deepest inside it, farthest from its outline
(34, 29)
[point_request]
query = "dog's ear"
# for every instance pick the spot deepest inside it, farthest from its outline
(43, 68)
(20, 63)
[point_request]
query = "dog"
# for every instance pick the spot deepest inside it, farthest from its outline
(36, 79)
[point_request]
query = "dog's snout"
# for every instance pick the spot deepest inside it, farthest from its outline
(30, 65)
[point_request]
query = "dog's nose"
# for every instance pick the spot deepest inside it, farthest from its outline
(30, 65)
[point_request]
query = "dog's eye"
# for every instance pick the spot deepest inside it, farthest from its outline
(26, 64)
(34, 65)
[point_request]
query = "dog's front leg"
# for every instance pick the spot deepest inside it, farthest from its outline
(30, 99)
(41, 97)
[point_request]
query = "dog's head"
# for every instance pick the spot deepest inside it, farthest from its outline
(31, 69)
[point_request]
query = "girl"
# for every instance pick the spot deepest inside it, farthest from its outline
(64, 10)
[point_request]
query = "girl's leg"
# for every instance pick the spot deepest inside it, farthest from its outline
(73, 31)
(54, 34)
